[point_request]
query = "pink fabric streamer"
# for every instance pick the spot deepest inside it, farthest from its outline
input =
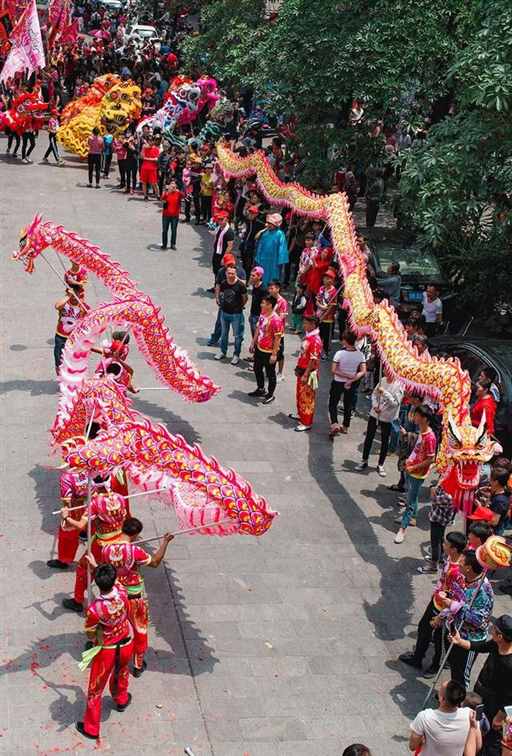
(27, 50)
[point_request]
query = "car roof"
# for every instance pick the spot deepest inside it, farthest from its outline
(413, 260)
(499, 350)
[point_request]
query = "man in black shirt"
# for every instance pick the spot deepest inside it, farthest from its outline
(258, 292)
(232, 296)
(494, 682)
(219, 278)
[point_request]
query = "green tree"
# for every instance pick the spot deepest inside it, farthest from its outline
(393, 57)
(457, 186)
(230, 33)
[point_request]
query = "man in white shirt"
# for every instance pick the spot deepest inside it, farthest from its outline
(432, 309)
(448, 730)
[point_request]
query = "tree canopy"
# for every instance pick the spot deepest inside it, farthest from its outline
(442, 68)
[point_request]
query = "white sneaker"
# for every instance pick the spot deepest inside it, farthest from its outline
(400, 536)
(220, 356)
(381, 471)
(362, 466)
(301, 427)
(235, 360)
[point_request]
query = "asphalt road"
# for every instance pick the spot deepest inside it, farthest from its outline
(274, 646)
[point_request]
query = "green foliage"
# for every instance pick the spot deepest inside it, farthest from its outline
(409, 63)
(230, 32)
(456, 187)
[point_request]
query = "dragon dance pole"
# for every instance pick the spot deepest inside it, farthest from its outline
(79, 303)
(89, 523)
(89, 539)
(181, 532)
(131, 496)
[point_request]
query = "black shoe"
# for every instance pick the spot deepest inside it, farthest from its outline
(257, 392)
(211, 291)
(122, 707)
(81, 729)
(137, 672)
(56, 564)
(269, 398)
(72, 605)
(173, 246)
(411, 660)
(432, 671)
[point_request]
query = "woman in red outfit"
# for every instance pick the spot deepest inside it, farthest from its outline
(149, 168)
(484, 403)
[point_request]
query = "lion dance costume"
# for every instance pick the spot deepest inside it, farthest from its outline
(108, 103)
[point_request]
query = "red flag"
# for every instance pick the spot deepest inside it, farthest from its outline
(26, 45)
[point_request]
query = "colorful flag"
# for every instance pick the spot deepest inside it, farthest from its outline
(26, 45)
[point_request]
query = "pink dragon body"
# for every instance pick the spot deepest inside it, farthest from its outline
(202, 492)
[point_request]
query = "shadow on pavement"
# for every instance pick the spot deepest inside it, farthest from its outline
(47, 496)
(174, 423)
(392, 611)
(36, 388)
(189, 653)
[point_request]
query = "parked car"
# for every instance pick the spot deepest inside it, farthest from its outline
(476, 353)
(111, 4)
(142, 32)
(417, 269)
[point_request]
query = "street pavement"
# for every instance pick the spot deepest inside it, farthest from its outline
(280, 645)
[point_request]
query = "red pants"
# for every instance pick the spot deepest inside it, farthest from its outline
(102, 670)
(67, 544)
(138, 614)
(81, 568)
(306, 402)
(68, 540)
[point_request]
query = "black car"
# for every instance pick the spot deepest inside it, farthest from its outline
(418, 267)
(475, 354)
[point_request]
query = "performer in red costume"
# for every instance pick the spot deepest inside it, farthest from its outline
(73, 493)
(107, 627)
(307, 364)
(108, 512)
(127, 558)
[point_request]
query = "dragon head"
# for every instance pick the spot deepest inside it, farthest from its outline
(465, 451)
(120, 106)
(32, 242)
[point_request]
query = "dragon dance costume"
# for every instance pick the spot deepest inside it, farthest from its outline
(310, 351)
(108, 511)
(127, 558)
(73, 493)
(108, 614)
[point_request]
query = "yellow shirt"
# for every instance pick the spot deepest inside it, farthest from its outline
(207, 184)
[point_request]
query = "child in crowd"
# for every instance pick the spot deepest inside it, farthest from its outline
(299, 303)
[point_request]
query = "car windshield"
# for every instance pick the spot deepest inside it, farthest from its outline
(413, 261)
(503, 352)
(146, 32)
